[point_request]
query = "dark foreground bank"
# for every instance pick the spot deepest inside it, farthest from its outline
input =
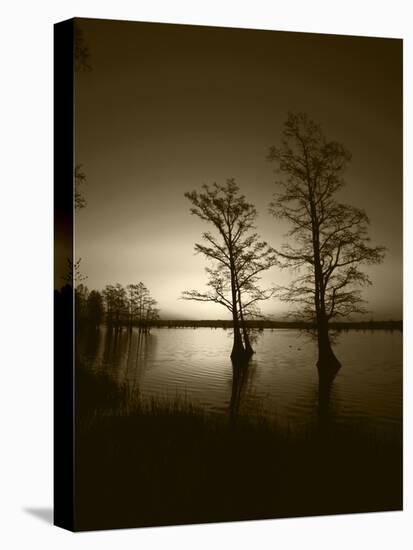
(169, 463)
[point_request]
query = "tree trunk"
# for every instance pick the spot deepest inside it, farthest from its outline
(238, 379)
(248, 348)
(249, 352)
(325, 380)
(238, 350)
(327, 361)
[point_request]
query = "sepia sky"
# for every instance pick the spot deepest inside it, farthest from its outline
(167, 108)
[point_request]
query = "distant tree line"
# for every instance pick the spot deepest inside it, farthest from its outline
(117, 306)
(263, 323)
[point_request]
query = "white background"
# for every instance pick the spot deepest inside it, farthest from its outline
(26, 220)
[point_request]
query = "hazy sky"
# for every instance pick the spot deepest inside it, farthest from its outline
(167, 108)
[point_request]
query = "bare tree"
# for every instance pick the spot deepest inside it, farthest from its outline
(95, 310)
(81, 297)
(141, 306)
(254, 257)
(151, 314)
(330, 238)
(80, 179)
(238, 255)
(74, 276)
(116, 305)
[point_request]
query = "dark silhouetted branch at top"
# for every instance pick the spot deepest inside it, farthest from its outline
(82, 53)
(74, 276)
(80, 180)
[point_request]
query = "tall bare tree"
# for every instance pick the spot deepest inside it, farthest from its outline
(329, 239)
(237, 253)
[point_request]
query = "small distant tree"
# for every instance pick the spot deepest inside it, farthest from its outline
(139, 306)
(94, 308)
(329, 239)
(237, 254)
(116, 305)
(81, 297)
(132, 303)
(143, 296)
(151, 313)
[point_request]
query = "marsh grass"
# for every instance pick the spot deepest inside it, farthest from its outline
(163, 462)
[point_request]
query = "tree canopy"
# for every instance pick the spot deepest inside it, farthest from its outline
(237, 253)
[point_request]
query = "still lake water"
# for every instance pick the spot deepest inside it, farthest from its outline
(282, 378)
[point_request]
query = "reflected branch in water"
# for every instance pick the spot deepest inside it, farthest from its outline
(139, 365)
(141, 349)
(107, 350)
(115, 348)
(91, 343)
(326, 378)
(240, 373)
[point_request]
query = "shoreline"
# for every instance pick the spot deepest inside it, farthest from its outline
(266, 324)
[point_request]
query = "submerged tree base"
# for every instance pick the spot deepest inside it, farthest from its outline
(241, 356)
(328, 364)
(249, 352)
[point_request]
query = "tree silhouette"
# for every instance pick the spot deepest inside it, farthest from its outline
(74, 276)
(116, 305)
(94, 309)
(82, 53)
(141, 306)
(133, 300)
(330, 238)
(238, 255)
(151, 314)
(81, 296)
(80, 179)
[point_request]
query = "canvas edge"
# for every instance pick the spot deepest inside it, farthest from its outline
(63, 410)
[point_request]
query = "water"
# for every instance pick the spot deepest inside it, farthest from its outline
(281, 381)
